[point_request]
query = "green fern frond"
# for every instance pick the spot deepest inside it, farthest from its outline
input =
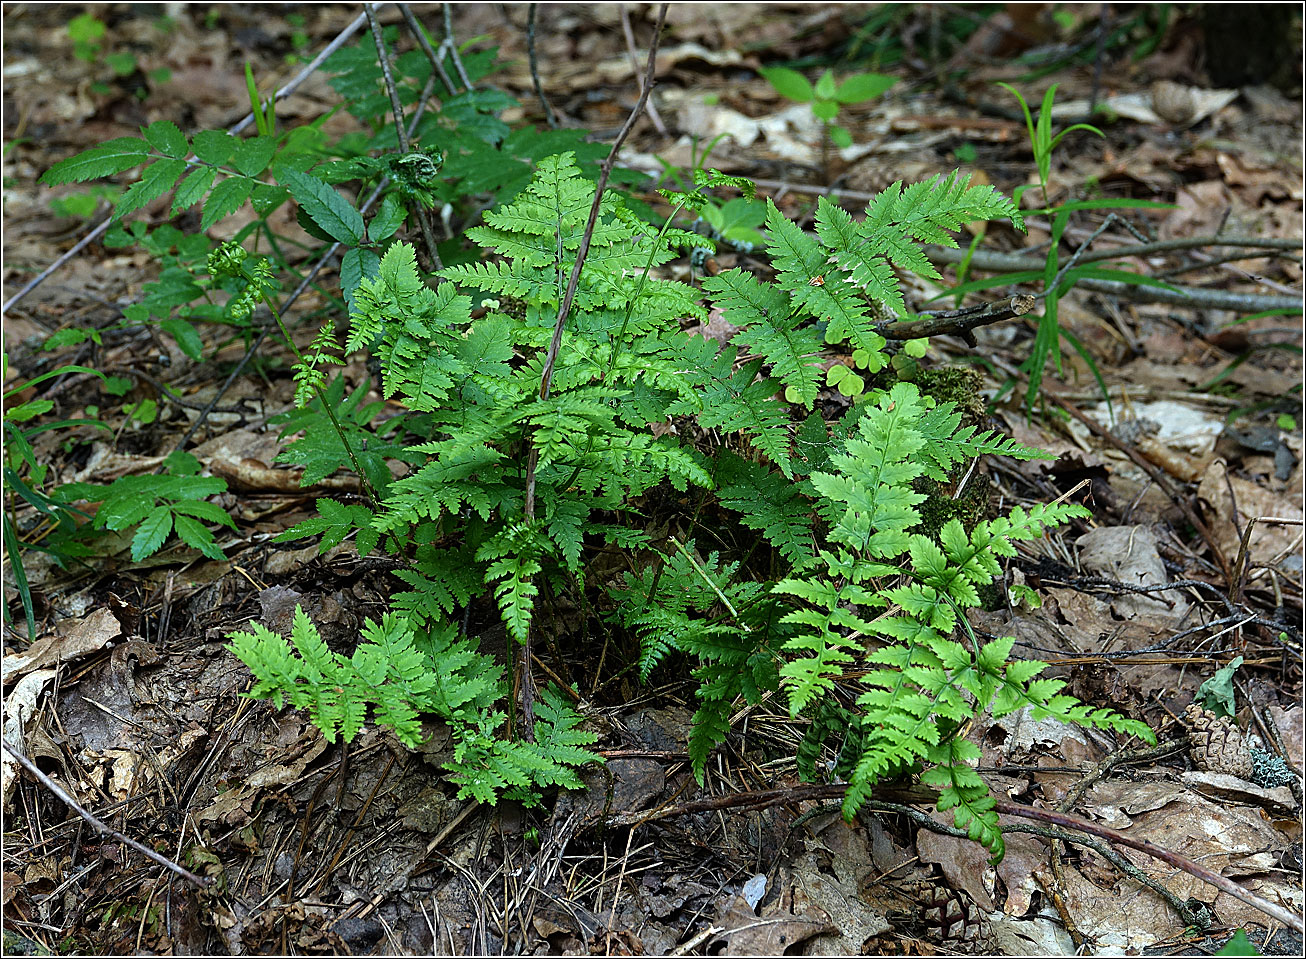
(771, 329)
(770, 504)
(513, 555)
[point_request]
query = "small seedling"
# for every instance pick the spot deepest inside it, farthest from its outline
(826, 96)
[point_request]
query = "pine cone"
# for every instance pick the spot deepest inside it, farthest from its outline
(951, 918)
(1216, 744)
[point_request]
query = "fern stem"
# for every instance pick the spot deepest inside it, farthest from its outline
(368, 488)
(546, 378)
(710, 582)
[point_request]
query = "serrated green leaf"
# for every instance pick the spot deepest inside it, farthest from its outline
(152, 533)
(252, 156)
(196, 535)
(187, 337)
(104, 160)
(388, 219)
(165, 137)
(192, 189)
(327, 208)
(202, 509)
(358, 264)
(227, 197)
(213, 146)
(157, 180)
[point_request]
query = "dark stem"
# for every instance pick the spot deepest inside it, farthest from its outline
(419, 35)
(546, 379)
(535, 68)
(401, 134)
(453, 47)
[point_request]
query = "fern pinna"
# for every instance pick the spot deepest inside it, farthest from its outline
(853, 585)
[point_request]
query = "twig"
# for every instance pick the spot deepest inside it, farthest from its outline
(453, 47)
(419, 35)
(535, 68)
(1081, 251)
(284, 92)
(1156, 852)
(546, 379)
(957, 321)
(99, 826)
(770, 797)
(634, 68)
(383, 56)
(1243, 562)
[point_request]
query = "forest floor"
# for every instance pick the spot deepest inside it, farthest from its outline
(129, 698)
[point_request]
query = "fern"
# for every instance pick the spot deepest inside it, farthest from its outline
(921, 685)
(770, 504)
(397, 675)
(857, 616)
(771, 328)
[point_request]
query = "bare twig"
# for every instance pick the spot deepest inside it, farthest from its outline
(546, 379)
(453, 47)
(419, 35)
(383, 56)
(281, 94)
(634, 68)
(535, 68)
(99, 826)
(957, 321)
(1243, 562)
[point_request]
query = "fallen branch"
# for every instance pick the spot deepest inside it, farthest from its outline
(957, 322)
(99, 826)
(770, 797)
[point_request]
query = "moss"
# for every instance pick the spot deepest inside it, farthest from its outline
(940, 507)
(959, 385)
(956, 384)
